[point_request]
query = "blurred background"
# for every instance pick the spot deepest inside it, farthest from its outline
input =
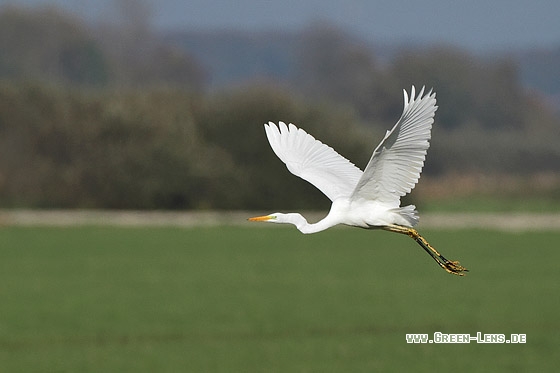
(159, 105)
(125, 104)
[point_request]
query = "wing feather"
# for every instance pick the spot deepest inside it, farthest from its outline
(396, 163)
(312, 160)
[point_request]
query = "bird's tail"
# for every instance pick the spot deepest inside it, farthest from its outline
(409, 214)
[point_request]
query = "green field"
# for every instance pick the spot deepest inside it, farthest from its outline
(226, 299)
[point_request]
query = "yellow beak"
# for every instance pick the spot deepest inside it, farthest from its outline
(262, 218)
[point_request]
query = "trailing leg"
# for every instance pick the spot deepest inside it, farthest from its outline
(452, 267)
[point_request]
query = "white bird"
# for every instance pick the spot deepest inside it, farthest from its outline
(368, 199)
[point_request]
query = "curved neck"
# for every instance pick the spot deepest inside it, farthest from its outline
(304, 227)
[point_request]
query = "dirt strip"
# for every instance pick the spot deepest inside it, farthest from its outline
(501, 221)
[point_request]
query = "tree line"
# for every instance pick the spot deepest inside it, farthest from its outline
(172, 149)
(93, 120)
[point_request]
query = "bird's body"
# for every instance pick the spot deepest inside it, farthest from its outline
(369, 214)
(368, 199)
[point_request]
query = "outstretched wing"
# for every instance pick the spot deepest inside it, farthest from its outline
(312, 160)
(396, 163)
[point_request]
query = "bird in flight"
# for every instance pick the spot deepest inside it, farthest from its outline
(368, 199)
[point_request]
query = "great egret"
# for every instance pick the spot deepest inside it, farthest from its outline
(369, 199)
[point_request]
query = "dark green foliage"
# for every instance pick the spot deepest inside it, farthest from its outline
(159, 149)
(166, 148)
(96, 150)
(234, 121)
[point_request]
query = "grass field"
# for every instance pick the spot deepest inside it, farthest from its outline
(226, 299)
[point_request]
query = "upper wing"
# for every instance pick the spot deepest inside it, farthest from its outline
(396, 163)
(312, 160)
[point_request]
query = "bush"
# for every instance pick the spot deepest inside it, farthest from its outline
(233, 121)
(156, 148)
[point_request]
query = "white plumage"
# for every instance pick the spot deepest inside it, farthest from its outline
(313, 161)
(396, 163)
(368, 199)
(392, 172)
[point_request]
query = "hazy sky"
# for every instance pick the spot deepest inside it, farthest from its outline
(475, 24)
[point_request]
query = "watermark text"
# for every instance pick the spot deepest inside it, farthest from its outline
(439, 337)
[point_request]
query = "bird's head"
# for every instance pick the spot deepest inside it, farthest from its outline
(278, 217)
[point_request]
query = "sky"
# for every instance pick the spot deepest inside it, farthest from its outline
(472, 24)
